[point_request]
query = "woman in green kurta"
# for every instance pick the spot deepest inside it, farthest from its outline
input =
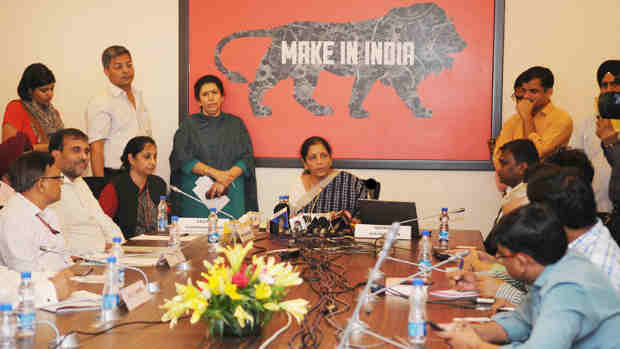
(215, 144)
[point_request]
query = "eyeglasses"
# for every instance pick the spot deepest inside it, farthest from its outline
(610, 84)
(59, 178)
(501, 257)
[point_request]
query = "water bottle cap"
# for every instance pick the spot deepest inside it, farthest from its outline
(116, 239)
(26, 275)
(111, 259)
(426, 233)
(213, 209)
(6, 307)
(283, 197)
(444, 209)
(418, 282)
(175, 218)
(162, 198)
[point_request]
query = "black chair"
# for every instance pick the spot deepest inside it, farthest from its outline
(373, 187)
(95, 184)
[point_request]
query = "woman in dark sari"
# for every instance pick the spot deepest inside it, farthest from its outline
(214, 144)
(323, 189)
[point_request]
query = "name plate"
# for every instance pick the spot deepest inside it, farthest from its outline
(174, 257)
(198, 225)
(245, 233)
(135, 295)
(372, 231)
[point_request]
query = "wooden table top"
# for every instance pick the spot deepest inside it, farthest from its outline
(389, 317)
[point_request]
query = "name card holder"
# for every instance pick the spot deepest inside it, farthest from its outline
(372, 231)
(245, 233)
(171, 257)
(135, 295)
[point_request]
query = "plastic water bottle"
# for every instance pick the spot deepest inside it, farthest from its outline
(173, 237)
(425, 258)
(110, 292)
(25, 307)
(417, 314)
(212, 234)
(444, 230)
(117, 251)
(8, 326)
(162, 215)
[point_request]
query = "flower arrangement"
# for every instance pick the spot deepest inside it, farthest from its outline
(236, 298)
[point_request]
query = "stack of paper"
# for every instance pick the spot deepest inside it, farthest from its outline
(203, 184)
(452, 294)
(78, 301)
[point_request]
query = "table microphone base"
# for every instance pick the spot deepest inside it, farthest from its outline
(71, 340)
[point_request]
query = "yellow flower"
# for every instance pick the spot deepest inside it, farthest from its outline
(231, 291)
(174, 311)
(259, 263)
(296, 307)
(271, 306)
(217, 278)
(242, 316)
(262, 291)
(236, 255)
(188, 298)
(288, 278)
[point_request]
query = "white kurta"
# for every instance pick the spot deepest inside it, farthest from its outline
(85, 226)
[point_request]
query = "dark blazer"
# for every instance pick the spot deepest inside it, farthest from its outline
(127, 195)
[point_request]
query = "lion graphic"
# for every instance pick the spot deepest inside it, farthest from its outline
(425, 24)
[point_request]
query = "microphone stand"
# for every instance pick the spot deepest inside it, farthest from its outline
(175, 189)
(458, 210)
(354, 324)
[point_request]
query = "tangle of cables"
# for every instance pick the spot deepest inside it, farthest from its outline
(326, 278)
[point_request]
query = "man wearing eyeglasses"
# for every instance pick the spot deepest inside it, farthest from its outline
(571, 303)
(537, 119)
(27, 223)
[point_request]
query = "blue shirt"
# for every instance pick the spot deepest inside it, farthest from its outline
(571, 304)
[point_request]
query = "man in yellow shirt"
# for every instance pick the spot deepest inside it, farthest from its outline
(537, 119)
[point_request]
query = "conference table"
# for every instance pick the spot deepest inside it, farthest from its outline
(388, 318)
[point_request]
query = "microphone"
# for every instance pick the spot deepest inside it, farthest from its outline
(173, 188)
(152, 287)
(69, 254)
(458, 210)
(459, 255)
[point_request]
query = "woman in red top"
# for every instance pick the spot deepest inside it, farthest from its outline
(33, 114)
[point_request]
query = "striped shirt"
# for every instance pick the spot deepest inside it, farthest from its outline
(602, 250)
(596, 244)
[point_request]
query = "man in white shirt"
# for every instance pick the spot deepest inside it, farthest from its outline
(86, 227)
(6, 192)
(27, 223)
(117, 115)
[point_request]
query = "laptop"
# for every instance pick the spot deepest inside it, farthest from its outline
(380, 212)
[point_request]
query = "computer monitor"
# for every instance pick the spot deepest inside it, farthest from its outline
(387, 212)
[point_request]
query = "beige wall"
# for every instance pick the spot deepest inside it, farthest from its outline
(568, 36)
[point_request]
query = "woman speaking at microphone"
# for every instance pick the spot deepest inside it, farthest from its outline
(323, 189)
